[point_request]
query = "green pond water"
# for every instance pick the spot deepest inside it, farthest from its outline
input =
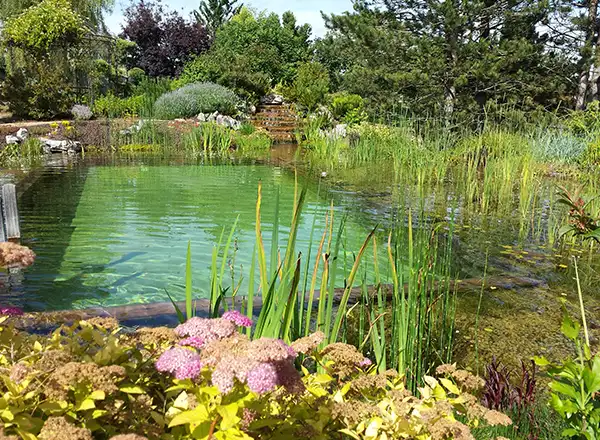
(111, 235)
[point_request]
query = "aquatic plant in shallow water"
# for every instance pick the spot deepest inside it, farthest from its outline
(581, 222)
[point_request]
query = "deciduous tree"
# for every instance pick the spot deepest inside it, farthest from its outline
(164, 40)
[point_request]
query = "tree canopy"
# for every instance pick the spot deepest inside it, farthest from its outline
(442, 57)
(252, 53)
(215, 13)
(164, 41)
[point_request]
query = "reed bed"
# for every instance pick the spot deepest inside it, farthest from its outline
(402, 320)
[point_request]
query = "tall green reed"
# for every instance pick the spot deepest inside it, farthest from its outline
(405, 320)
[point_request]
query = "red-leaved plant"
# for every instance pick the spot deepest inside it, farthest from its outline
(517, 396)
(581, 222)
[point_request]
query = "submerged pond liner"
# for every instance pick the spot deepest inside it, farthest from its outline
(163, 313)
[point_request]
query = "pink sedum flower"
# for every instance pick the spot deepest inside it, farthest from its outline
(237, 318)
(192, 341)
(181, 362)
(366, 362)
(207, 329)
(223, 378)
(262, 378)
(10, 311)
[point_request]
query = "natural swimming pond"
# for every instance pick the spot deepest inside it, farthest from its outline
(110, 235)
(116, 233)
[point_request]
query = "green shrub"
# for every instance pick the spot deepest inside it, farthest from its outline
(585, 121)
(136, 75)
(240, 75)
(310, 86)
(343, 104)
(575, 384)
(48, 24)
(591, 155)
(95, 381)
(190, 100)
(111, 106)
(39, 93)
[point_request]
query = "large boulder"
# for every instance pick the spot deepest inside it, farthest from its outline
(12, 139)
(22, 134)
(64, 146)
(272, 99)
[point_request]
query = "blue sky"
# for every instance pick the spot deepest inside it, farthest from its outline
(307, 11)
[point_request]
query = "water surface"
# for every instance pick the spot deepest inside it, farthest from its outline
(112, 235)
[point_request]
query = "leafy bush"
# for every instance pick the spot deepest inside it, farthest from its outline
(39, 93)
(46, 25)
(586, 121)
(346, 106)
(591, 155)
(575, 385)
(92, 380)
(111, 106)
(190, 100)
(581, 222)
(252, 53)
(310, 86)
(81, 112)
(136, 75)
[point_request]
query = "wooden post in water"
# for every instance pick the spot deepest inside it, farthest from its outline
(2, 228)
(10, 213)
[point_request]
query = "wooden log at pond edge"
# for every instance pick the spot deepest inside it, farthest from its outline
(163, 312)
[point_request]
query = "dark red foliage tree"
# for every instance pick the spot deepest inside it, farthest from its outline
(164, 40)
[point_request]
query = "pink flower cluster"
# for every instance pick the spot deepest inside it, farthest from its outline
(10, 311)
(366, 362)
(192, 341)
(181, 362)
(206, 330)
(237, 318)
(262, 364)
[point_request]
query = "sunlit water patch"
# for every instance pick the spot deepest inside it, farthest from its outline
(116, 235)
